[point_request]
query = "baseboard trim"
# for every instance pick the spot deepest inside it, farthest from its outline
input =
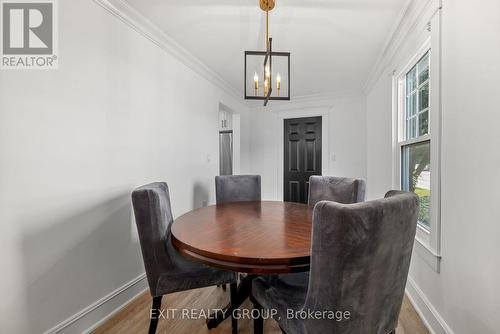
(429, 315)
(97, 313)
(94, 315)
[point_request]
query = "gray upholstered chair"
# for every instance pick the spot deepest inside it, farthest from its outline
(237, 188)
(337, 189)
(360, 257)
(167, 271)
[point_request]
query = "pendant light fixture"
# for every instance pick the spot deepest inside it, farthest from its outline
(267, 73)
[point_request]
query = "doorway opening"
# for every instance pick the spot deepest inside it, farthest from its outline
(229, 141)
(302, 156)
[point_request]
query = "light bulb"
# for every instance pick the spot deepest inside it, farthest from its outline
(278, 83)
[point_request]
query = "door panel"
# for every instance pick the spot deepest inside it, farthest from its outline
(302, 149)
(310, 152)
(294, 191)
(293, 161)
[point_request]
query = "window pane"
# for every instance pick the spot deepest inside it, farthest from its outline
(423, 76)
(416, 176)
(411, 80)
(411, 105)
(423, 97)
(416, 104)
(423, 123)
(411, 128)
(423, 68)
(411, 112)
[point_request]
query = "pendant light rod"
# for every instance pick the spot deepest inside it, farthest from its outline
(267, 30)
(267, 5)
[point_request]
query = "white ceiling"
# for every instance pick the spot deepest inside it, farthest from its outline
(333, 43)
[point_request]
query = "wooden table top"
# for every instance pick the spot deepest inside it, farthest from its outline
(251, 237)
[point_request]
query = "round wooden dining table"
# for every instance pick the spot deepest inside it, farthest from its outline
(264, 237)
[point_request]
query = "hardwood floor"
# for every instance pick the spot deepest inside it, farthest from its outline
(134, 318)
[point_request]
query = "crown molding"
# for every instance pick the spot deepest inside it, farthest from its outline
(333, 95)
(134, 19)
(326, 99)
(411, 14)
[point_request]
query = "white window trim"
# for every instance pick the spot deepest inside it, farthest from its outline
(428, 243)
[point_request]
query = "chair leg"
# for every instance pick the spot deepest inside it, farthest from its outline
(258, 321)
(155, 314)
(223, 287)
(233, 288)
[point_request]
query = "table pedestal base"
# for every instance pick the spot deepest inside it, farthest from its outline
(243, 291)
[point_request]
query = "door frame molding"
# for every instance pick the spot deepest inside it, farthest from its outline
(323, 112)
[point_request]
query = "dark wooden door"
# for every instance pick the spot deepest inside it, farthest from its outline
(302, 156)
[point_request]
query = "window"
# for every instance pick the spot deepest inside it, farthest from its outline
(415, 176)
(415, 145)
(417, 133)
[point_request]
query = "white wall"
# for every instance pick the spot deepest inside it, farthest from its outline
(344, 126)
(119, 112)
(465, 296)
(379, 138)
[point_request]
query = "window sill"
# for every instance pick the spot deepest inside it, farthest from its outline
(422, 248)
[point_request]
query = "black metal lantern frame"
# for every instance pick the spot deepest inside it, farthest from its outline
(268, 59)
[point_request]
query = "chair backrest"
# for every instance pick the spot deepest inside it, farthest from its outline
(360, 259)
(337, 189)
(153, 217)
(237, 188)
